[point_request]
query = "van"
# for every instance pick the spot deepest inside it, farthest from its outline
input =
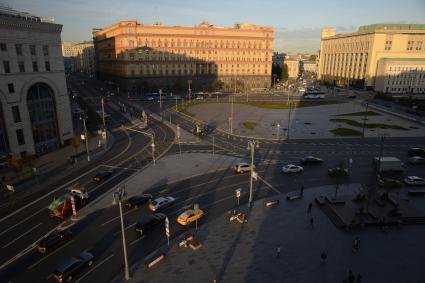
(149, 222)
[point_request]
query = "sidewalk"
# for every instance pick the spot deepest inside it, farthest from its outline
(233, 252)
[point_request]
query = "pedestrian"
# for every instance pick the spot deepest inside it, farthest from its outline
(311, 222)
(350, 276)
(323, 256)
(278, 252)
(356, 243)
(302, 191)
(310, 206)
(359, 278)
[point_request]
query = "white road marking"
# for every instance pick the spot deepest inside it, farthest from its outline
(115, 218)
(138, 239)
(49, 276)
(20, 222)
(118, 167)
(94, 267)
(119, 231)
(49, 254)
(269, 185)
(28, 231)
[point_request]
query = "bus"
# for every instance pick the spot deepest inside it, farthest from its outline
(314, 94)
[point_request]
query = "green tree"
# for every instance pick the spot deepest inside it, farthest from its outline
(312, 57)
(285, 74)
(217, 85)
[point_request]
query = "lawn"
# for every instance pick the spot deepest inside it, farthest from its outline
(344, 132)
(249, 125)
(363, 113)
(368, 125)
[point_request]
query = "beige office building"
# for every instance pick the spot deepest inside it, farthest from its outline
(352, 59)
(147, 57)
(293, 63)
(35, 115)
(81, 55)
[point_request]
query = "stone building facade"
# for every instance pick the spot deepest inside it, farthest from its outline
(147, 57)
(352, 59)
(81, 56)
(35, 112)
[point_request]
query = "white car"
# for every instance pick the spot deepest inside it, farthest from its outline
(243, 167)
(290, 168)
(80, 192)
(161, 203)
(414, 181)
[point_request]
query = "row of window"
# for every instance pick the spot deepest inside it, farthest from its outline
(407, 76)
(19, 49)
(21, 66)
(407, 69)
(405, 89)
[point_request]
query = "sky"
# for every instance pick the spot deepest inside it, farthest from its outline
(296, 23)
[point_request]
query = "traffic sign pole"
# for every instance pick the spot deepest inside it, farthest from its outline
(167, 230)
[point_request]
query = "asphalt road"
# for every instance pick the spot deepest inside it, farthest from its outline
(99, 232)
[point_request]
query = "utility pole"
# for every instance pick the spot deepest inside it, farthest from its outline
(104, 123)
(213, 144)
(190, 90)
(83, 117)
(289, 121)
(381, 149)
(251, 146)
(365, 118)
(124, 245)
(231, 115)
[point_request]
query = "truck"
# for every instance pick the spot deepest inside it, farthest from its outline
(61, 207)
(385, 164)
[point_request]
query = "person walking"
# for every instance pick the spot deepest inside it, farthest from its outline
(356, 243)
(310, 206)
(359, 278)
(302, 191)
(311, 222)
(323, 256)
(278, 252)
(350, 276)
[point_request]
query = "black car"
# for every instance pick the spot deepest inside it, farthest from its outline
(72, 266)
(416, 151)
(338, 172)
(149, 222)
(102, 175)
(311, 160)
(54, 240)
(136, 201)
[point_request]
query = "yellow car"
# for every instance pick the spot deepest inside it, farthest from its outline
(189, 216)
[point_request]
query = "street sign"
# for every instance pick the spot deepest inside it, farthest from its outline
(83, 137)
(167, 227)
(238, 193)
(350, 160)
(178, 131)
(254, 175)
(196, 207)
(74, 210)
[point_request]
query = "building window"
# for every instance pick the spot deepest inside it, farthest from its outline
(21, 66)
(11, 88)
(20, 136)
(3, 47)
(18, 48)
(34, 66)
(32, 50)
(6, 67)
(45, 50)
(16, 114)
(47, 65)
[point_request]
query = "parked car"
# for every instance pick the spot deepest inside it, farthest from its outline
(290, 168)
(389, 183)
(149, 222)
(243, 167)
(72, 266)
(189, 216)
(102, 176)
(414, 181)
(161, 203)
(416, 151)
(417, 160)
(136, 201)
(54, 240)
(351, 96)
(337, 172)
(311, 159)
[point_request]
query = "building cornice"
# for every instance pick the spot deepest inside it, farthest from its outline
(22, 24)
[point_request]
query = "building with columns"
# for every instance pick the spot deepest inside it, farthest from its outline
(354, 58)
(35, 115)
(143, 57)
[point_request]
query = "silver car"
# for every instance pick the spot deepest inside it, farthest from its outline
(161, 203)
(414, 181)
(417, 160)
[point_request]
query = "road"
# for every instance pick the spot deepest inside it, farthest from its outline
(99, 232)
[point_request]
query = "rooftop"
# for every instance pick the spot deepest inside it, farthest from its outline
(373, 27)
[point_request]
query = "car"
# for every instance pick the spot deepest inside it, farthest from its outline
(290, 168)
(351, 96)
(149, 222)
(311, 159)
(417, 160)
(414, 181)
(54, 240)
(189, 216)
(102, 175)
(72, 266)
(389, 183)
(338, 172)
(243, 167)
(161, 203)
(136, 201)
(80, 192)
(416, 151)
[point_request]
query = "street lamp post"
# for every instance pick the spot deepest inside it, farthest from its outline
(274, 80)
(83, 117)
(190, 90)
(251, 146)
(104, 136)
(278, 129)
(365, 118)
(124, 245)
(289, 121)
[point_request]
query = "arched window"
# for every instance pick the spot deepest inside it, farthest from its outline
(42, 112)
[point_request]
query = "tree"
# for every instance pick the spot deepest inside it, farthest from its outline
(217, 85)
(285, 73)
(312, 57)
